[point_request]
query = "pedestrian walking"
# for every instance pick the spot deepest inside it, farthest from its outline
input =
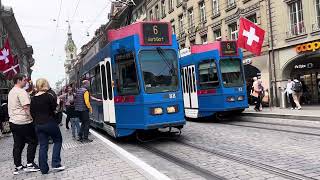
(289, 92)
(261, 93)
(297, 92)
(68, 101)
(83, 108)
(21, 125)
(256, 95)
(43, 106)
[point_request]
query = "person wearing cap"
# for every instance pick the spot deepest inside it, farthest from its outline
(83, 108)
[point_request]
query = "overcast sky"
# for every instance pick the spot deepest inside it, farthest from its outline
(38, 21)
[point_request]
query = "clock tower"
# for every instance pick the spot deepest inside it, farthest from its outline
(71, 52)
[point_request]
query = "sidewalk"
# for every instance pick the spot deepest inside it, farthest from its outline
(95, 160)
(311, 112)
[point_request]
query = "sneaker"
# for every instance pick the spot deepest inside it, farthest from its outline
(32, 167)
(292, 108)
(298, 108)
(18, 169)
(61, 168)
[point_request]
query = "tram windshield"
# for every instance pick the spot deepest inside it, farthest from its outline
(231, 72)
(159, 68)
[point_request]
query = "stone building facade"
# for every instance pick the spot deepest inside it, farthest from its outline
(22, 52)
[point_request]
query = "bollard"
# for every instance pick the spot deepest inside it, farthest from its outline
(283, 100)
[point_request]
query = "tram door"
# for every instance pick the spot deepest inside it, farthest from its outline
(190, 96)
(107, 91)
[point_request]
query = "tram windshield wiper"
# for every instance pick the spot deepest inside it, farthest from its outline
(165, 59)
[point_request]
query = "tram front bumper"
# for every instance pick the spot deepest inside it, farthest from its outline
(177, 124)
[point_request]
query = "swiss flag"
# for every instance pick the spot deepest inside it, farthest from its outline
(6, 58)
(12, 71)
(251, 36)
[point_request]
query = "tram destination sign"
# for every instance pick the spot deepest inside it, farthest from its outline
(156, 34)
(229, 48)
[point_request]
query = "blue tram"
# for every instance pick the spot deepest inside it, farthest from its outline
(137, 76)
(213, 80)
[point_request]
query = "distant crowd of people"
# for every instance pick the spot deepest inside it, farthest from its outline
(34, 119)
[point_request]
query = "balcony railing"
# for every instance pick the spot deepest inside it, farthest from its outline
(296, 30)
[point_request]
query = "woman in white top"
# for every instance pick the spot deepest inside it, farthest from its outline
(289, 93)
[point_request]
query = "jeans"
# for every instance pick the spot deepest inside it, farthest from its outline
(75, 126)
(85, 124)
(23, 134)
(44, 131)
(293, 104)
(257, 101)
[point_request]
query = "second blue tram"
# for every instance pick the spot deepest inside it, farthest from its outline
(137, 76)
(213, 80)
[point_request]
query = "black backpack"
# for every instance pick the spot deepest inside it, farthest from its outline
(297, 86)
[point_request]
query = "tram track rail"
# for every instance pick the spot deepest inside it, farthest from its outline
(271, 169)
(282, 124)
(182, 163)
(273, 129)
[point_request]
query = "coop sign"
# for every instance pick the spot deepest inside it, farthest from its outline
(313, 46)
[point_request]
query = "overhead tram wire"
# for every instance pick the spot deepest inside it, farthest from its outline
(75, 11)
(55, 33)
(95, 19)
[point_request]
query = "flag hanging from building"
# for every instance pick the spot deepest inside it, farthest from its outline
(251, 36)
(6, 58)
(12, 71)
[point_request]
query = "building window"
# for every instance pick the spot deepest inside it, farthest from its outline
(190, 18)
(179, 2)
(173, 27)
(182, 46)
(163, 8)
(170, 5)
(157, 11)
(231, 3)
(215, 7)
(202, 8)
(151, 15)
(180, 23)
(193, 42)
(252, 18)
(233, 30)
(296, 18)
(217, 34)
(204, 39)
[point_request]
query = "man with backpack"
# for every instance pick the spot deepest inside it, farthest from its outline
(297, 93)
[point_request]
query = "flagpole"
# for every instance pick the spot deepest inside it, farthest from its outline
(272, 67)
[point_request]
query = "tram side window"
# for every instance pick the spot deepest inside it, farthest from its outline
(98, 81)
(127, 77)
(208, 76)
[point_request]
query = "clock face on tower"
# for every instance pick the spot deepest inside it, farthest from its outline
(70, 48)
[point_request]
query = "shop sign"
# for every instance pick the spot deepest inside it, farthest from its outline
(313, 46)
(304, 66)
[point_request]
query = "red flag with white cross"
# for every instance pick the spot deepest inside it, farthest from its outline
(6, 58)
(12, 71)
(251, 36)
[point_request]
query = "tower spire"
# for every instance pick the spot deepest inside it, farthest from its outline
(69, 30)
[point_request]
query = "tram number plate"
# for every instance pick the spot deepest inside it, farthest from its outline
(155, 33)
(170, 96)
(240, 89)
(229, 48)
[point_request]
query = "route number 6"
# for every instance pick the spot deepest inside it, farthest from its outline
(155, 29)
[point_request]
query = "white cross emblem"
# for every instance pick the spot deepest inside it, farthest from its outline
(251, 36)
(12, 68)
(4, 56)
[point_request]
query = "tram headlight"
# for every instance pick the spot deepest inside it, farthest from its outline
(172, 109)
(230, 99)
(156, 111)
(240, 98)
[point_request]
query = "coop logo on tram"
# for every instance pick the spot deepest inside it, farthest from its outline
(313, 46)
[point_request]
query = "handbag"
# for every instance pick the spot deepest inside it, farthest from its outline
(6, 127)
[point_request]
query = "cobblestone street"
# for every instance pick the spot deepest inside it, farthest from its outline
(296, 155)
